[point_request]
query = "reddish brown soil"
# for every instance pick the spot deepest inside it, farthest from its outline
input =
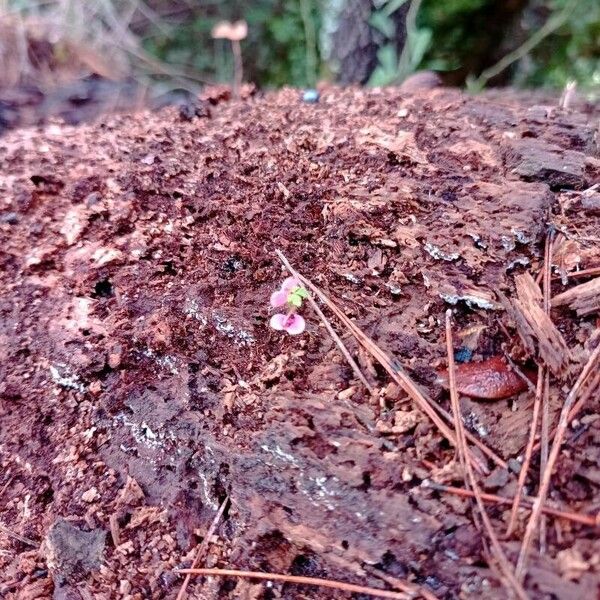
(140, 383)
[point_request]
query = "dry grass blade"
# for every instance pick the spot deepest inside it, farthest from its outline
(398, 374)
(563, 422)
(325, 321)
(202, 547)
(526, 502)
(505, 566)
(328, 583)
(529, 451)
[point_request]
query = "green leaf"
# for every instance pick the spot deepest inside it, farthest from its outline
(420, 45)
(301, 292)
(387, 70)
(392, 6)
(295, 300)
(383, 24)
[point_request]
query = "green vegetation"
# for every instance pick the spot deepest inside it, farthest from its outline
(460, 37)
(526, 43)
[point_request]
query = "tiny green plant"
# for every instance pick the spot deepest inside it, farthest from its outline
(291, 294)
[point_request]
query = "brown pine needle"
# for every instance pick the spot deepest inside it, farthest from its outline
(563, 423)
(328, 583)
(592, 385)
(397, 373)
(202, 547)
(544, 445)
(528, 452)
(470, 480)
(545, 398)
(526, 503)
(325, 321)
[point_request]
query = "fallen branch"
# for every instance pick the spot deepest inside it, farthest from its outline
(470, 480)
(563, 423)
(328, 583)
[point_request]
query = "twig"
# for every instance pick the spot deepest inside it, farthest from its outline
(202, 547)
(398, 374)
(550, 26)
(325, 321)
(12, 534)
(583, 273)
(590, 520)
(505, 566)
(563, 423)
(519, 372)
(395, 582)
(529, 451)
(328, 583)
(5, 486)
(364, 568)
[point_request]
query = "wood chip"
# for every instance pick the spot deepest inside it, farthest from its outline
(537, 331)
(583, 298)
(115, 531)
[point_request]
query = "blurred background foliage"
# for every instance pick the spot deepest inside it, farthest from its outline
(478, 43)
(288, 39)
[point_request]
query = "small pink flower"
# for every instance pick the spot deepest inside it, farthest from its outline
(279, 298)
(290, 284)
(294, 324)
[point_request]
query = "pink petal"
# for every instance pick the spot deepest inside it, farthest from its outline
(294, 324)
(278, 321)
(290, 284)
(279, 298)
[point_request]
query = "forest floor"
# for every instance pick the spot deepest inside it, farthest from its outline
(141, 387)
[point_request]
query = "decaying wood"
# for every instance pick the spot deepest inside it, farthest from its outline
(590, 369)
(583, 298)
(537, 331)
